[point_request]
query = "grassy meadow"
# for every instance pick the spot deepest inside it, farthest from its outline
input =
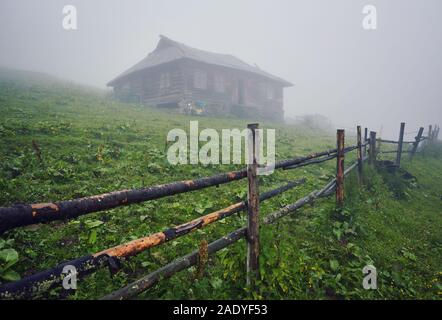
(91, 144)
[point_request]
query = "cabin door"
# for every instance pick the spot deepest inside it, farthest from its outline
(241, 91)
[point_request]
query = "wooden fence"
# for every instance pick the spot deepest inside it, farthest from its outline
(27, 214)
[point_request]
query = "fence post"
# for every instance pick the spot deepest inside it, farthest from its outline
(252, 205)
(372, 150)
(340, 141)
(400, 145)
(435, 132)
(416, 143)
(360, 162)
(365, 141)
(430, 132)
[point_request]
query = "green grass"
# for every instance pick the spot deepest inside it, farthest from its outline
(91, 144)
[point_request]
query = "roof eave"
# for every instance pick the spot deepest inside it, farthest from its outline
(121, 77)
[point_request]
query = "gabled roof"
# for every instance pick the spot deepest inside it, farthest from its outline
(168, 50)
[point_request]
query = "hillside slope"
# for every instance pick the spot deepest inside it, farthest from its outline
(89, 144)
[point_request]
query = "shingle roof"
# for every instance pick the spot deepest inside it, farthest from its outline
(168, 50)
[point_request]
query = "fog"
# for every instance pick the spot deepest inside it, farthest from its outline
(376, 78)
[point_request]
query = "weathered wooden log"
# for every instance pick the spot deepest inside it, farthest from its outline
(360, 154)
(26, 214)
(372, 150)
(148, 281)
(435, 133)
(295, 161)
(330, 188)
(325, 191)
(321, 159)
(430, 133)
(350, 168)
(366, 142)
(340, 140)
(349, 149)
(400, 145)
(253, 207)
(272, 217)
(314, 161)
(394, 142)
(416, 143)
(393, 151)
(41, 282)
(29, 286)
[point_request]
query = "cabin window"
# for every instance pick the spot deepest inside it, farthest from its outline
(200, 80)
(219, 83)
(165, 80)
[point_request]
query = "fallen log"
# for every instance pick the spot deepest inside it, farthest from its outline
(29, 286)
(148, 281)
(315, 161)
(175, 266)
(394, 142)
(26, 214)
(307, 199)
(139, 245)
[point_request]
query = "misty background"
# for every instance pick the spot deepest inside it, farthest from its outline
(348, 74)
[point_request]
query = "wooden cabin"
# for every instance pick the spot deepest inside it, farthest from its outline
(190, 80)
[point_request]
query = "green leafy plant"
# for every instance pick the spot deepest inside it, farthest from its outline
(8, 258)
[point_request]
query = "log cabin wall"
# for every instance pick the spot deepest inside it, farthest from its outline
(214, 89)
(159, 86)
(252, 101)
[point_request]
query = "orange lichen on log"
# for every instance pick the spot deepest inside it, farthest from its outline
(214, 216)
(135, 246)
(189, 183)
(39, 208)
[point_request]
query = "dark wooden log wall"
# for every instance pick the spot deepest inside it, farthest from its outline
(145, 87)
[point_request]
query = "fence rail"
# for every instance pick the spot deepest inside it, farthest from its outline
(26, 214)
(21, 215)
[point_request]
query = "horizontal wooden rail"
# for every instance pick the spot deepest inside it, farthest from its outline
(330, 187)
(393, 151)
(26, 214)
(395, 142)
(139, 286)
(320, 160)
(29, 286)
(148, 281)
(325, 191)
(314, 161)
